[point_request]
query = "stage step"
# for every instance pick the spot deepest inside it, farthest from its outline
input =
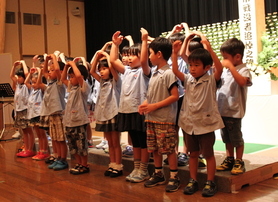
(257, 170)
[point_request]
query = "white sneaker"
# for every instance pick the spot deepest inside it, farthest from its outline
(140, 176)
(133, 173)
(102, 144)
(16, 135)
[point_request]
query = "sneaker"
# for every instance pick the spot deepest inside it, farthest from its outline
(106, 148)
(156, 179)
(81, 170)
(60, 165)
(202, 162)
(210, 189)
(36, 156)
(173, 185)
(101, 144)
(26, 154)
(238, 167)
(74, 168)
(51, 166)
(16, 135)
(90, 144)
(133, 173)
(227, 164)
(191, 187)
(128, 152)
(182, 159)
(108, 172)
(140, 176)
(42, 156)
(50, 160)
(20, 153)
(116, 173)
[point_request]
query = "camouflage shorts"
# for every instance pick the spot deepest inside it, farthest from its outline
(77, 140)
(161, 137)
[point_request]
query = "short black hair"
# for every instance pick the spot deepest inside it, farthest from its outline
(20, 72)
(61, 65)
(135, 49)
(83, 70)
(163, 45)
(125, 50)
(201, 54)
(177, 36)
(194, 44)
(233, 46)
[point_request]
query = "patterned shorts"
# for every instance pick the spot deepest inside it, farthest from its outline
(161, 137)
(44, 122)
(21, 120)
(77, 140)
(34, 121)
(56, 128)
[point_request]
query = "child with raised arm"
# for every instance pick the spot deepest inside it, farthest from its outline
(135, 79)
(199, 116)
(34, 112)
(160, 109)
(106, 109)
(76, 115)
(52, 107)
(20, 104)
(232, 96)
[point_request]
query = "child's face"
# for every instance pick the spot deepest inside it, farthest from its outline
(134, 61)
(51, 73)
(20, 79)
(232, 59)
(125, 59)
(104, 72)
(153, 57)
(197, 68)
(73, 80)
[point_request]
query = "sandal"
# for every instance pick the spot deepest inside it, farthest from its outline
(81, 170)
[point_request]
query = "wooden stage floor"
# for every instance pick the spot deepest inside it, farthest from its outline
(22, 179)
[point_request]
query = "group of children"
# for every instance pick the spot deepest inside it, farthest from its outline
(148, 92)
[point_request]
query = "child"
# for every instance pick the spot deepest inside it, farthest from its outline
(232, 97)
(106, 109)
(51, 113)
(34, 112)
(199, 116)
(76, 115)
(20, 102)
(133, 92)
(160, 108)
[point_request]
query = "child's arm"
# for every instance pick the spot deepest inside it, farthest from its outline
(39, 82)
(144, 52)
(64, 75)
(56, 65)
(175, 67)
(216, 61)
(146, 108)
(94, 63)
(77, 73)
(184, 52)
(12, 73)
(241, 80)
(176, 28)
(35, 60)
(25, 68)
(106, 45)
(114, 53)
(130, 40)
(111, 68)
(45, 66)
(28, 78)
